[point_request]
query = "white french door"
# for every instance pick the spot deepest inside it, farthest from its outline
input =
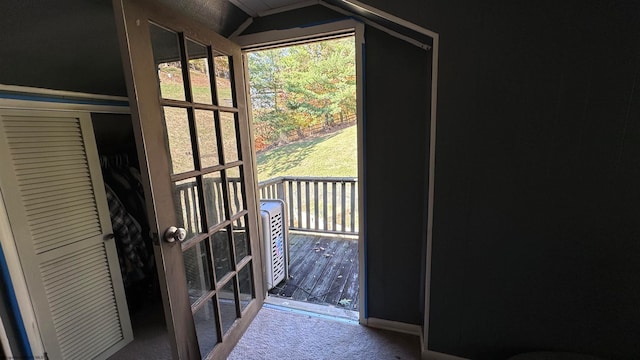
(187, 96)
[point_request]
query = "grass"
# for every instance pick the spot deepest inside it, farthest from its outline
(172, 87)
(333, 154)
(329, 155)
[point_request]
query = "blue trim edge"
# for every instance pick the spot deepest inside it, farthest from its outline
(364, 183)
(15, 309)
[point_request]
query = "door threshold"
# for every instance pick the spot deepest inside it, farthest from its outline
(325, 311)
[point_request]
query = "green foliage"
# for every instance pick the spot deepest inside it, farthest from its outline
(299, 86)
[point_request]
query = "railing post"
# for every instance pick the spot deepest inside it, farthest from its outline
(332, 194)
(280, 190)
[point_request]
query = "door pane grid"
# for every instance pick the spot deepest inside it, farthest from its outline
(195, 146)
(212, 257)
(222, 258)
(198, 271)
(236, 284)
(203, 205)
(212, 76)
(198, 304)
(236, 219)
(198, 59)
(186, 76)
(166, 50)
(217, 221)
(178, 135)
(229, 130)
(224, 80)
(218, 324)
(228, 301)
(219, 135)
(197, 106)
(205, 319)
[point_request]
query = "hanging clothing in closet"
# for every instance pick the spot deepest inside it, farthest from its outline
(129, 218)
(129, 241)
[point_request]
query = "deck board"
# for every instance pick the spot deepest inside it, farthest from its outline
(323, 270)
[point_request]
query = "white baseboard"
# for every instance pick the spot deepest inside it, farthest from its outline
(410, 329)
(434, 355)
(396, 326)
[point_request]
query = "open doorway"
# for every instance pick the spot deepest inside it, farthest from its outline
(305, 124)
(123, 185)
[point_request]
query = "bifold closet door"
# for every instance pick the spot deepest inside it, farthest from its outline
(59, 217)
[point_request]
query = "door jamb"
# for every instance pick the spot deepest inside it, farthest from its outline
(432, 153)
(276, 38)
(432, 142)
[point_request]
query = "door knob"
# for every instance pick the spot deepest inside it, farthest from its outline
(174, 234)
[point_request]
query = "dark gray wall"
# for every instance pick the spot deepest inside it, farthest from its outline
(65, 45)
(396, 129)
(537, 203)
(73, 45)
(537, 167)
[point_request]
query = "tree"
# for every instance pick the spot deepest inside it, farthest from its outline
(295, 87)
(323, 81)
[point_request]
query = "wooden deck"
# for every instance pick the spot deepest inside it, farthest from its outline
(322, 270)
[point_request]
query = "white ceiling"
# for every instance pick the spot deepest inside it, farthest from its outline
(260, 7)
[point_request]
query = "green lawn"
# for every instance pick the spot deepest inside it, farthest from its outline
(334, 154)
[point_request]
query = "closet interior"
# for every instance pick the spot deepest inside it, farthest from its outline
(123, 185)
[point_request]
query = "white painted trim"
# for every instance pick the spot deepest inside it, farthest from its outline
(362, 286)
(45, 105)
(60, 93)
(285, 8)
(61, 106)
(378, 26)
(27, 312)
(392, 18)
(434, 355)
(241, 28)
(254, 166)
(432, 148)
(243, 7)
(4, 342)
(432, 154)
(431, 190)
(324, 310)
(289, 36)
(395, 326)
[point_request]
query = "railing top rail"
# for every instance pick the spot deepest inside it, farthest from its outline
(271, 181)
(316, 178)
(280, 179)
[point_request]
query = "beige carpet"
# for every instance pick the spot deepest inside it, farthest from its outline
(281, 334)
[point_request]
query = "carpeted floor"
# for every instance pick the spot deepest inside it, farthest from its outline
(278, 333)
(281, 334)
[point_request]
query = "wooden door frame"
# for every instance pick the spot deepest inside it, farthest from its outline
(250, 41)
(433, 84)
(178, 314)
(328, 31)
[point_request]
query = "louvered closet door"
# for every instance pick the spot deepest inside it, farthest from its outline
(59, 216)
